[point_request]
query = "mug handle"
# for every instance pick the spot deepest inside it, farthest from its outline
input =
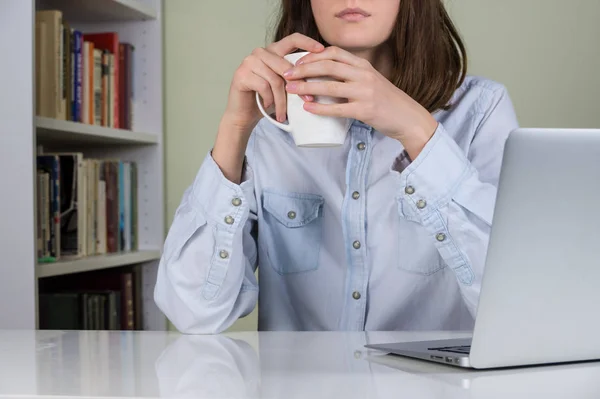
(280, 125)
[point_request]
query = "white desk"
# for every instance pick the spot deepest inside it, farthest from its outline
(259, 365)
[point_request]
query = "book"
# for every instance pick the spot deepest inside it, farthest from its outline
(51, 165)
(86, 114)
(118, 308)
(67, 72)
(112, 206)
(127, 206)
(109, 41)
(60, 311)
(126, 84)
(121, 174)
(101, 235)
(73, 207)
(106, 92)
(78, 76)
(50, 65)
(97, 84)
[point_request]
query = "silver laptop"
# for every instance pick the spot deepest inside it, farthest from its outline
(540, 294)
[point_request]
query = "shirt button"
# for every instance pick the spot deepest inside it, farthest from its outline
(229, 220)
(291, 215)
(236, 202)
(421, 204)
(361, 146)
(224, 254)
(356, 244)
(356, 295)
(409, 190)
(440, 237)
(356, 195)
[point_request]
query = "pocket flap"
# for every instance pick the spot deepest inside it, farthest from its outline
(293, 209)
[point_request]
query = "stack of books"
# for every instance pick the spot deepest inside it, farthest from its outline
(104, 300)
(85, 206)
(82, 77)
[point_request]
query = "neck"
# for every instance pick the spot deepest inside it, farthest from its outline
(380, 58)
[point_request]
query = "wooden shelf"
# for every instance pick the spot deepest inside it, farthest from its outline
(56, 131)
(91, 11)
(95, 262)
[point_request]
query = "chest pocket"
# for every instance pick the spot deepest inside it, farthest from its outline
(417, 252)
(291, 231)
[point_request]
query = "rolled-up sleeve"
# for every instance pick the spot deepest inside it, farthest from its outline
(453, 193)
(206, 277)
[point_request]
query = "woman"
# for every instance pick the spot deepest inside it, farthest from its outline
(388, 232)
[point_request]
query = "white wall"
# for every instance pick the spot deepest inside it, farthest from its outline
(546, 52)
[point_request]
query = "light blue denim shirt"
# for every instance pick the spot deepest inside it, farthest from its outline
(356, 237)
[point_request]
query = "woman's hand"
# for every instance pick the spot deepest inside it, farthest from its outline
(372, 98)
(262, 72)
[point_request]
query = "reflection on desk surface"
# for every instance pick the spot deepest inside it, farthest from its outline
(260, 365)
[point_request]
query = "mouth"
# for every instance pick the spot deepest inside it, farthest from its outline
(353, 14)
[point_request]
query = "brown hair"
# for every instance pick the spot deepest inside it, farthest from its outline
(429, 57)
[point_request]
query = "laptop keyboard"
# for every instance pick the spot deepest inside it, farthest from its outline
(464, 350)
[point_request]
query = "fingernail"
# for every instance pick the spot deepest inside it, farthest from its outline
(291, 86)
(300, 62)
(288, 73)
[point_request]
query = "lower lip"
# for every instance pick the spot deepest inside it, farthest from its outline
(353, 17)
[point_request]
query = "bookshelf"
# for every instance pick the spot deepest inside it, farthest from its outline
(52, 131)
(98, 262)
(25, 134)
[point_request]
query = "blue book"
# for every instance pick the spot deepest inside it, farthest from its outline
(78, 75)
(121, 240)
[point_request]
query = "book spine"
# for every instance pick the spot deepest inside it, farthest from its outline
(78, 76)
(85, 83)
(121, 236)
(39, 233)
(111, 194)
(60, 74)
(101, 210)
(90, 77)
(67, 73)
(134, 207)
(111, 90)
(127, 306)
(97, 87)
(46, 236)
(105, 88)
(122, 88)
(56, 207)
(117, 123)
(127, 205)
(81, 206)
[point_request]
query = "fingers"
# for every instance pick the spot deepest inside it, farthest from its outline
(322, 68)
(327, 88)
(276, 85)
(344, 110)
(335, 54)
(262, 87)
(294, 42)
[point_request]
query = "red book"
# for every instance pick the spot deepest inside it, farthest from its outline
(126, 80)
(109, 41)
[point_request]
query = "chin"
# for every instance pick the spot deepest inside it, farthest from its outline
(354, 39)
(354, 42)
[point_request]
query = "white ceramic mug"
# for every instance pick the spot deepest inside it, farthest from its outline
(310, 130)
